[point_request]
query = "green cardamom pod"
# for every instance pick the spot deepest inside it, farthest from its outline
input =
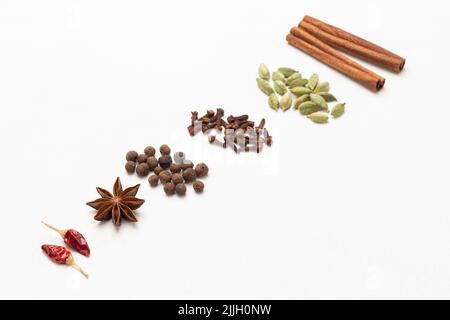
(280, 87)
(319, 117)
(308, 107)
(298, 83)
(319, 101)
(313, 81)
(278, 76)
(338, 110)
(300, 91)
(264, 86)
(287, 72)
(293, 77)
(273, 101)
(263, 72)
(322, 87)
(286, 101)
(300, 100)
(327, 96)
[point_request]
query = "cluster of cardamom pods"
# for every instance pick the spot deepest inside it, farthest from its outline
(311, 96)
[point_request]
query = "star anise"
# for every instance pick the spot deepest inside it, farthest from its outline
(119, 203)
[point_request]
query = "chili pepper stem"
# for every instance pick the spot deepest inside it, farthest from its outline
(71, 262)
(61, 232)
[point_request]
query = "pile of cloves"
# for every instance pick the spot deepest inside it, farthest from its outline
(239, 132)
(174, 173)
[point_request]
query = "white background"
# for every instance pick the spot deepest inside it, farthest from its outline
(358, 208)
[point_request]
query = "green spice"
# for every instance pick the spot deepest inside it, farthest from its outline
(308, 107)
(338, 110)
(286, 101)
(313, 81)
(273, 101)
(278, 76)
(322, 87)
(319, 117)
(311, 95)
(293, 77)
(264, 72)
(319, 101)
(300, 91)
(280, 87)
(264, 86)
(327, 96)
(300, 100)
(298, 83)
(287, 72)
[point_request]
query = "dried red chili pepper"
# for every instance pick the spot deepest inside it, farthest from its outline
(73, 239)
(61, 255)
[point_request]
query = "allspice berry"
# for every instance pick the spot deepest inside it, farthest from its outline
(165, 161)
(131, 156)
(158, 170)
(142, 169)
(199, 186)
(180, 189)
(187, 164)
(141, 158)
(169, 188)
(130, 166)
(152, 162)
(189, 175)
(149, 151)
(153, 180)
(175, 167)
(165, 176)
(164, 149)
(177, 178)
(201, 170)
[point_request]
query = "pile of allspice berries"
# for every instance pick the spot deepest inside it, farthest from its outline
(311, 96)
(174, 173)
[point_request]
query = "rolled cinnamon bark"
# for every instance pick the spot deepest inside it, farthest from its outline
(304, 35)
(367, 79)
(352, 44)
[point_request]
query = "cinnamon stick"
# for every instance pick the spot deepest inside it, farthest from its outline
(334, 59)
(352, 44)
(303, 34)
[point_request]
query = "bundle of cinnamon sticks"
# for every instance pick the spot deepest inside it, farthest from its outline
(322, 41)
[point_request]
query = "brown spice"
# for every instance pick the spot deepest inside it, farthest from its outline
(201, 170)
(187, 164)
(165, 161)
(199, 186)
(141, 158)
(153, 180)
(117, 204)
(304, 41)
(189, 175)
(164, 149)
(180, 189)
(149, 151)
(142, 169)
(177, 178)
(152, 162)
(352, 44)
(130, 166)
(165, 176)
(158, 170)
(234, 126)
(175, 167)
(131, 156)
(169, 188)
